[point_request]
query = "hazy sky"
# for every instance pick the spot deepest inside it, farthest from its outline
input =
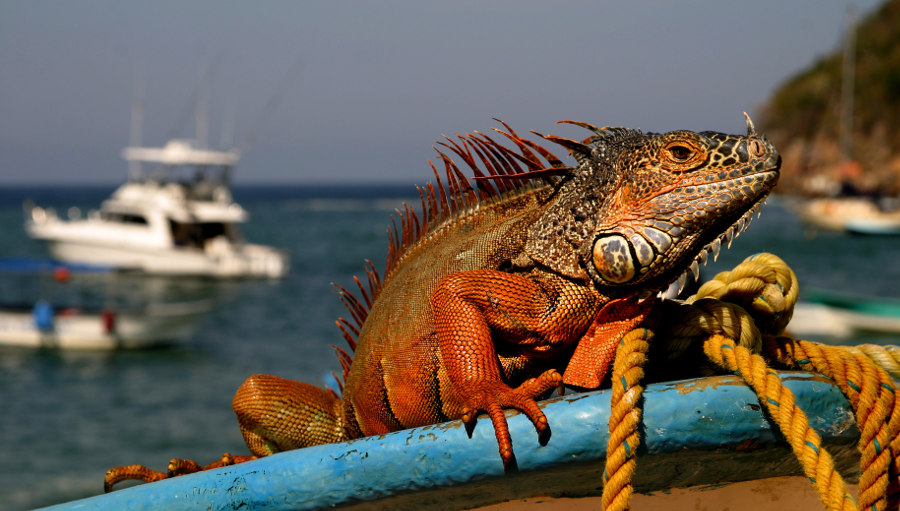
(379, 81)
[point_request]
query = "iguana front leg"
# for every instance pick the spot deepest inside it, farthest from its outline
(541, 314)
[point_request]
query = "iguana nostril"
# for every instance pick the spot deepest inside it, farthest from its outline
(756, 148)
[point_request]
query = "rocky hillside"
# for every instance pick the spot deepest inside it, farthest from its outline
(803, 116)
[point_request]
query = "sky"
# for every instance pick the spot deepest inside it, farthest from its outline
(358, 92)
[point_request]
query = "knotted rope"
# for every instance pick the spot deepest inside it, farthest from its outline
(736, 320)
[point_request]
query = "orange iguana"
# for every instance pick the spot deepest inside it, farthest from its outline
(513, 284)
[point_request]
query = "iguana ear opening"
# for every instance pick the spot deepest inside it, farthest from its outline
(557, 238)
(555, 253)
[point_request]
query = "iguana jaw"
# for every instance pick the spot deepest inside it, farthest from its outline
(715, 246)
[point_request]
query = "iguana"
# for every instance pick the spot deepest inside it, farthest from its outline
(513, 283)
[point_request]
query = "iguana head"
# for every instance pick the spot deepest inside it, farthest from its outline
(643, 208)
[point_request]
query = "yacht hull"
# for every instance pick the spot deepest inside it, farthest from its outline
(172, 261)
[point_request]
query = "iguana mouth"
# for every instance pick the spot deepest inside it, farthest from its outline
(766, 179)
(715, 246)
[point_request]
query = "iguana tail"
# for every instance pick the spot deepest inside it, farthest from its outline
(277, 415)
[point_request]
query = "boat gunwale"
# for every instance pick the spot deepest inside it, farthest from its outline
(694, 432)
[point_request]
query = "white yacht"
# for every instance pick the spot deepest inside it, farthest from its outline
(177, 219)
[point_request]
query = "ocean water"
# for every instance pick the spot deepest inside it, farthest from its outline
(68, 416)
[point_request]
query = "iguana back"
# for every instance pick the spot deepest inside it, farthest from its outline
(397, 378)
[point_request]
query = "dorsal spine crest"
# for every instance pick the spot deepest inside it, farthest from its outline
(499, 172)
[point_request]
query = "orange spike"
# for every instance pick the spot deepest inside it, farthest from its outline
(346, 329)
(580, 124)
(504, 157)
(513, 156)
(444, 205)
(572, 145)
(362, 291)
(550, 157)
(485, 148)
(415, 222)
(344, 358)
(476, 169)
(533, 174)
(462, 152)
(487, 189)
(340, 385)
(519, 141)
(452, 183)
(374, 279)
(494, 166)
(353, 305)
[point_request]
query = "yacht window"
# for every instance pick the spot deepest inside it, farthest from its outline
(195, 235)
(124, 218)
(211, 230)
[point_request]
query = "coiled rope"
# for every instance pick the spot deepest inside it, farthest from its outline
(737, 321)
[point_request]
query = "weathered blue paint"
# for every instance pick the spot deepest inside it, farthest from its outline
(693, 431)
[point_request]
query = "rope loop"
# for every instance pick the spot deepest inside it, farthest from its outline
(736, 321)
(872, 393)
(817, 463)
(763, 284)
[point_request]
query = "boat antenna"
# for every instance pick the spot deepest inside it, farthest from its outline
(202, 113)
(271, 105)
(847, 85)
(227, 139)
(137, 114)
(191, 106)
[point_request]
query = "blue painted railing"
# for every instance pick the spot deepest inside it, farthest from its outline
(695, 432)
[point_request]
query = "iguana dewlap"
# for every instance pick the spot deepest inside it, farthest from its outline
(502, 289)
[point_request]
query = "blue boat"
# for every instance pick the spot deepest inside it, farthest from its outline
(700, 438)
(49, 304)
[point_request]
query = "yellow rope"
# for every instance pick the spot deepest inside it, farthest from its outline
(871, 392)
(779, 400)
(737, 319)
(624, 418)
(763, 285)
(885, 357)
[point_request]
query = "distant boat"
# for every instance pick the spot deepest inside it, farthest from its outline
(168, 222)
(847, 210)
(41, 326)
(855, 215)
(882, 225)
(844, 315)
(51, 322)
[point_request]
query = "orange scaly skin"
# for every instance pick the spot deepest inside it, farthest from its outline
(499, 295)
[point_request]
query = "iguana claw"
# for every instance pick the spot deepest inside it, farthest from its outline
(177, 467)
(492, 398)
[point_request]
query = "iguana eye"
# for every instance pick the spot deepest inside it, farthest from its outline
(679, 153)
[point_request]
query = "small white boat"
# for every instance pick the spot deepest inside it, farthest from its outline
(887, 224)
(40, 326)
(78, 307)
(179, 219)
(856, 215)
(844, 315)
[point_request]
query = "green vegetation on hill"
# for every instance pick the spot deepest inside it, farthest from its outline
(803, 116)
